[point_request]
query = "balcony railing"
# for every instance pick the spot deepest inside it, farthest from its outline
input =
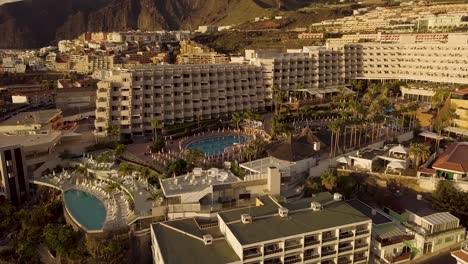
(291, 247)
(252, 255)
(272, 251)
(344, 261)
(401, 257)
(346, 235)
(361, 245)
(362, 232)
(311, 256)
(344, 249)
(394, 240)
(328, 253)
(311, 242)
(328, 239)
(292, 260)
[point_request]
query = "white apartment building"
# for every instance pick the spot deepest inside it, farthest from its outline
(320, 229)
(129, 99)
(305, 70)
(408, 59)
(88, 63)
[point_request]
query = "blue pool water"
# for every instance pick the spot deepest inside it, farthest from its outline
(85, 208)
(215, 145)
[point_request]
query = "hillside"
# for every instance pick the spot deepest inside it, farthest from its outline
(51, 20)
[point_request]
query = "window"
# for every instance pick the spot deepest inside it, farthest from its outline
(448, 239)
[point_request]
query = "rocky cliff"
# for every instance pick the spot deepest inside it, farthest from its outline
(36, 23)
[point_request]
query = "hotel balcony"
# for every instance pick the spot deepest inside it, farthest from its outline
(292, 259)
(328, 239)
(272, 249)
(292, 244)
(250, 253)
(346, 247)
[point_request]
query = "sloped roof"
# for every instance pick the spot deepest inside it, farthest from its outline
(399, 149)
(294, 148)
(455, 158)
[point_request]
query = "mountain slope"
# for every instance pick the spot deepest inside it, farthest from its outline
(50, 20)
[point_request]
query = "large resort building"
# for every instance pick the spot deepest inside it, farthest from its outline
(182, 93)
(172, 94)
(321, 229)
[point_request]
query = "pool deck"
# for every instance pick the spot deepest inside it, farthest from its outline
(117, 208)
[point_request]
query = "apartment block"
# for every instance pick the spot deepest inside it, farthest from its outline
(172, 94)
(459, 101)
(429, 61)
(87, 63)
(14, 185)
(202, 58)
(303, 70)
(320, 229)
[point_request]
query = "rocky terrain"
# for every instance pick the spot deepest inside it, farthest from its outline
(36, 23)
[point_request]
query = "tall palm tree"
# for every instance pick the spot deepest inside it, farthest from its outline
(154, 124)
(237, 118)
(419, 153)
(277, 99)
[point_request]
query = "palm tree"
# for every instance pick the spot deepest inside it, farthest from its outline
(154, 124)
(111, 186)
(439, 98)
(237, 118)
(419, 153)
(329, 179)
(277, 99)
(113, 131)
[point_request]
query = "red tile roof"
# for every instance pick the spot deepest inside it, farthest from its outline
(460, 254)
(455, 158)
(461, 92)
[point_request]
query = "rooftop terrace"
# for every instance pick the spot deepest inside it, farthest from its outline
(196, 181)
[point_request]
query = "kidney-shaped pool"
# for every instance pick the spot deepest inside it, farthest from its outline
(86, 209)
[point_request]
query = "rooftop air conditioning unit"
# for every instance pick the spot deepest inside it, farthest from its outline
(207, 239)
(246, 218)
(337, 197)
(283, 212)
(316, 206)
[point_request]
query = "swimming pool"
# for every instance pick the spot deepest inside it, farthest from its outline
(85, 208)
(216, 145)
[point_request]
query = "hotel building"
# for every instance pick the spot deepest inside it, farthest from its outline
(320, 229)
(14, 184)
(172, 94)
(408, 57)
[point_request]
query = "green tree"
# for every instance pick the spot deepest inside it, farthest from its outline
(419, 153)
(119, 150)
(237, 118)
(329, 179)
(113, 131)
(158, 145)
(177, 167)
(154, 124)
(194, 156)
(125, 168)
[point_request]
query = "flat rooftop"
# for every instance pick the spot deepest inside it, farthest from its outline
(31, 118)
(377, 217)
(261, 165)
(178, 247)
(196, 181)
(337, 213)
(370, 154)
(29, 140)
